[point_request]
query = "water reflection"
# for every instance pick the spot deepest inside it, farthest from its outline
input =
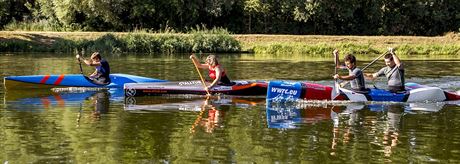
(345, 121)
(192, 103)
(41, 99)
(350, 123)
(215, 117)
(211, 110)
(61, 98)
(101, 104)
(42, 128)
(289, 116)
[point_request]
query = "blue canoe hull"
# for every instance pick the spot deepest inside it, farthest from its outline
(71, 80)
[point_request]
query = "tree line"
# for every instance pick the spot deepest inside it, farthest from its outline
(326, 17)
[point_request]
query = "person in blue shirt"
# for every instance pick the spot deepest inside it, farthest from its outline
(102, 72)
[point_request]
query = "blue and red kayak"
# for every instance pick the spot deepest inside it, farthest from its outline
(71, 80)
(285, 90)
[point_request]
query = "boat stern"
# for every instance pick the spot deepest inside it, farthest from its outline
(426, 94)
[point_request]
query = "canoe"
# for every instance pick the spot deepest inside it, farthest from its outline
(285, 90)
(194, 87)
(70, 80)
(414, 93)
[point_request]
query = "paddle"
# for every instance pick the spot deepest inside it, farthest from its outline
(81, 69)
(201, 77)
(373, 61)
(365, 67)
(79, 62)
(336, 88)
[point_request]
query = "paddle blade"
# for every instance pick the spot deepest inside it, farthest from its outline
(335, 91)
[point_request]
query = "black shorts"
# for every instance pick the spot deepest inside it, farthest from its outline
(362, 90)
(100, 80)
(224, 80)
(395, 89)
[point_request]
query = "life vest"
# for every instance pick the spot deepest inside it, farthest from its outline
(104, 70)
(212, 72)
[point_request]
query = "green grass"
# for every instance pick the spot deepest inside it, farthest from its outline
(323, 49)
(214, 40)
(221, 41)
(314, 45)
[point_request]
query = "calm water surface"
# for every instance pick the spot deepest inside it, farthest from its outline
(102, 127)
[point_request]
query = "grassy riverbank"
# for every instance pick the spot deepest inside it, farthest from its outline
(214, 40)
(221, 41)
(324, 45)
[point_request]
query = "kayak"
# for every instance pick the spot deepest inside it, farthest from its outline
(195, 87)
(70, 80)
(285, 90)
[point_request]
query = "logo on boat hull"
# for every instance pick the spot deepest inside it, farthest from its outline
(130, 92)
(189, 83)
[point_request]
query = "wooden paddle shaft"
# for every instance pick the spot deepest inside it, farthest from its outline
(201, 77)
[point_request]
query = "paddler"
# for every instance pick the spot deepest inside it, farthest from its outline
(102, 72)
(394, 71)
(355, 75)
(216, 72)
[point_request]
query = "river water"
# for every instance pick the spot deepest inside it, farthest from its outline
(38, 126)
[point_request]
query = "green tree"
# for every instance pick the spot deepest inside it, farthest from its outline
(420, 17)
(253, 8)
(13, 10)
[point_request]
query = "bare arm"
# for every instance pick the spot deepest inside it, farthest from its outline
(88, 62)
(338, 66)
(336, 58)
(370, 76)
(94, 73)
(197, 63)
(395, 58)
(346, 77)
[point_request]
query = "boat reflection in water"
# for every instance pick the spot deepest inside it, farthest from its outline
(187, 102)
(40, 99)
(349, 122)
(211, 111)
(282, 115)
